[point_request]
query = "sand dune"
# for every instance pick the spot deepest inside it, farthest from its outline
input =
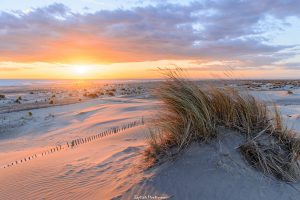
(101, 169)
(113, 167)
(213, 171)
(94, 170)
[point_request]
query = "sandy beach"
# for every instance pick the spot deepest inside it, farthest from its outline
(113, 166)
(150, 100)
(23, 136)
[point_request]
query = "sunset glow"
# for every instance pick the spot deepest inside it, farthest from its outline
(127, 39)
(80, 69)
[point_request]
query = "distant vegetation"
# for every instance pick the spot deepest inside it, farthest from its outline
(110, 93)
(190, 114)
(18, 100)
(92, 95)
(290, 92)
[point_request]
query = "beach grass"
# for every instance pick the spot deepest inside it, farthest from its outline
(190, 114)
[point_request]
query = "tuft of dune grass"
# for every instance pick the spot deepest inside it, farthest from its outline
(189, 114)
(186, 115)
(238, 111)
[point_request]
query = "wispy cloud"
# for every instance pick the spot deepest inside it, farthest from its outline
(210, 30)
(8, 69)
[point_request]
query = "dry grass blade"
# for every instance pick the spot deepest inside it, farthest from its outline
(185, 116)
(271, 159)
(189, 114)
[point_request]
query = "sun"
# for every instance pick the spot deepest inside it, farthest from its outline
(80, 69)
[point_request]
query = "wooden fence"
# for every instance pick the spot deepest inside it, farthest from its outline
(76, 142)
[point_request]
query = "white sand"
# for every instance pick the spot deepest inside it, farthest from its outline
(112, 167)
(100, 169)
(289, 105)
(97, 170)
(213, 171)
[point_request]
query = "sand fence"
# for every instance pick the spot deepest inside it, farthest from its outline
(77, 142)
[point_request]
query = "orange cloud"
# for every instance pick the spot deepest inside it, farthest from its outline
(165, 31)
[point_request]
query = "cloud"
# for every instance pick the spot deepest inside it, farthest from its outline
(289, 66)
(8, 69)
(5, 69)
(210, 30)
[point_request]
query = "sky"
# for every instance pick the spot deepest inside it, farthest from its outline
(132, 39)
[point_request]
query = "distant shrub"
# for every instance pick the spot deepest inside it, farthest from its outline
(290, 92)
(30, 114)
(111, 94)
(92, 95)
(2, 96)
(51, 102)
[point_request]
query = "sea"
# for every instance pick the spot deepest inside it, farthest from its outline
(28, 82)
